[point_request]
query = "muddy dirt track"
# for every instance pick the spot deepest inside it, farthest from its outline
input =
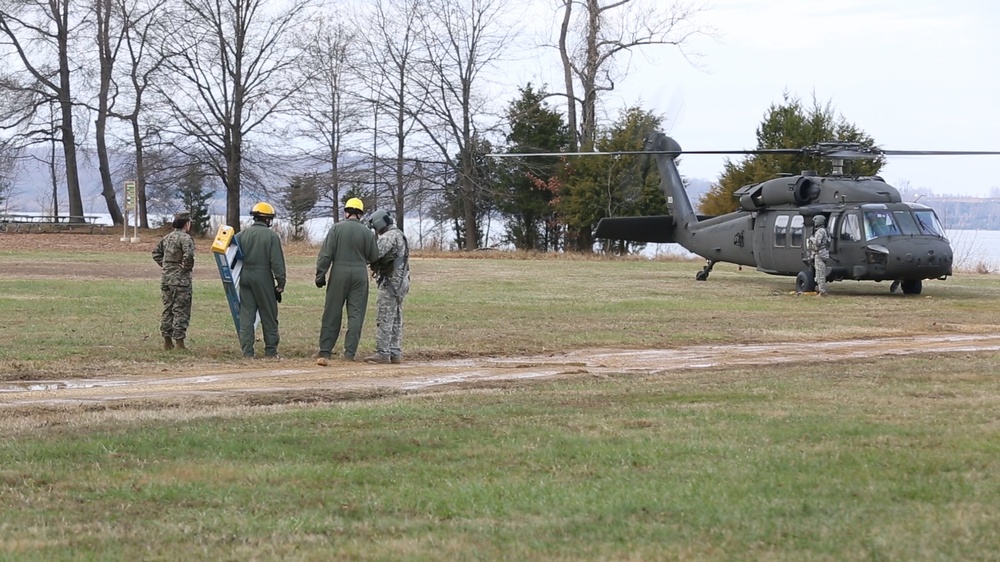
(300, 380)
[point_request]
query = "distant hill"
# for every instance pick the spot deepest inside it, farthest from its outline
(32, 190)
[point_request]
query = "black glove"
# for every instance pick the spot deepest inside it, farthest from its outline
(277, 293)
(320, 281)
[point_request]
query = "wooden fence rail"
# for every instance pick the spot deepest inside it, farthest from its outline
(46, 223)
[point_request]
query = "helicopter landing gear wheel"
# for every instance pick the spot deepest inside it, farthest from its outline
(703, 274)
(805, 282)
(912, 286)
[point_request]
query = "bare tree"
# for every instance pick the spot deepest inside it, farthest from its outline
(110, 31)
(463, 37)
(231, 71)
(605, 32)
(328, 102)
(391, 58)
(141, 19)
(9, 155)
(39, 33)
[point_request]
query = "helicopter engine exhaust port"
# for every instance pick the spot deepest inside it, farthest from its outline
(772, 193)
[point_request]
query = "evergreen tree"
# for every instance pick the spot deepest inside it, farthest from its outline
(525, 193)
(609, 186)
(790, 125)
(194, 198)
(457, 197)
(299, 198)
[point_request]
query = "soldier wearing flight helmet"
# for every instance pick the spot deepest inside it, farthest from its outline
(392, 270)
(819, 246)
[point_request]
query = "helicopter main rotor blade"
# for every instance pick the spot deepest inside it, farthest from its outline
(646, 152)
(810, 151)
(939, 152)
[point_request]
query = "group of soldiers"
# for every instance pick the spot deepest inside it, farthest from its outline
(349, 251)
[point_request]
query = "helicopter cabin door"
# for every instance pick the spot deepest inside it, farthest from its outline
(778, 239)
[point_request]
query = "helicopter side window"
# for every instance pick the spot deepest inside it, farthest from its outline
(796, 230)
(780, 230)
(850, 228)
(905, 222)
(928, 222)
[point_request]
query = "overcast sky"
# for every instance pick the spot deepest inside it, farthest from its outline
(913, 74)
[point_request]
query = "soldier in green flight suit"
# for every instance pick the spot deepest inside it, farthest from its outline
(348, 249)
(175, 254)
(262, 281)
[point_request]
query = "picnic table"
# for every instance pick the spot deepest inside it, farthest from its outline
(16, 222)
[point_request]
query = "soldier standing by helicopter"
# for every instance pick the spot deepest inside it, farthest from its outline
(819, 248)
(392, 271)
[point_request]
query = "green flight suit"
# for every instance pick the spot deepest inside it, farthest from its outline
(263, 271)
(348, 249)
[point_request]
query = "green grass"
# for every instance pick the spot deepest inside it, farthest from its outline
(470, 307)
(855, 461)
(893, 458)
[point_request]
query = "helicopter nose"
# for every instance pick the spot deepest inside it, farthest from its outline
(932, 258)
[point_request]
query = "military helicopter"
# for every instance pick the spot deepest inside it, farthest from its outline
(874, 234)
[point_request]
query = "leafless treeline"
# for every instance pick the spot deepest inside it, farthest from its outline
(390, 100)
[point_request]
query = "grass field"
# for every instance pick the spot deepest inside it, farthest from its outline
(892, 458)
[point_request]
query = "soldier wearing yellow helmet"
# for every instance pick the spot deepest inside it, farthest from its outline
(262, 281)
(346, 252)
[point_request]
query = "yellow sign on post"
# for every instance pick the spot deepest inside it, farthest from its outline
(131, 205)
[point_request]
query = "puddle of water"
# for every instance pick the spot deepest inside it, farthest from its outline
(30, 386)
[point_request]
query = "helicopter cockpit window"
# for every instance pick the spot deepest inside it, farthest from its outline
(879, 223)
(796, 229)
(781, 230)
(928, 222)
(850, 228)
(905, 222)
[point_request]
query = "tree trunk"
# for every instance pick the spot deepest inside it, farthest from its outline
(568, 77)
(400, 146)
(68, 137)
(468, 191)
(140, 175)
(105, 167)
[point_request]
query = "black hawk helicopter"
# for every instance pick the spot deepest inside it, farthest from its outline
(875, 235)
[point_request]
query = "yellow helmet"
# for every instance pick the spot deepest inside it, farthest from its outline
(263, 210)
(354, 204)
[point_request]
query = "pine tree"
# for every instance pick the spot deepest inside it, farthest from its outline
(789, 125)
(528, 186)
(608, 186)
(299, 198)
(194, 198)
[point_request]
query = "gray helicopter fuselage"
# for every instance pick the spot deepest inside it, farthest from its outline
(874, 234)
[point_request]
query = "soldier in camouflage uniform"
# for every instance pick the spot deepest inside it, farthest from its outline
(346, 252)
(262, 281)
(819, 246)
(392, 270)
(175, 254)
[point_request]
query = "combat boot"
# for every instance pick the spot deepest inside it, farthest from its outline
(396, 359)
(380, 359)
(179, 344)
(168, 344)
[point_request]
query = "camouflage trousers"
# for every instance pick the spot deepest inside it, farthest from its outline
(176, 311)
(389, 322)
(820, 264)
